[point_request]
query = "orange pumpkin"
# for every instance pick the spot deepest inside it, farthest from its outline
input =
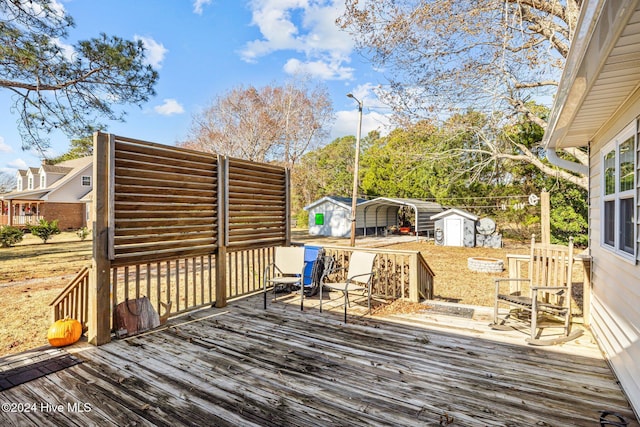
(64, 332)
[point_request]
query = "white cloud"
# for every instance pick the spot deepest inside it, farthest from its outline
(347, 123)
(17, 164)
(324, 35)
(198, 6)
(319, 69)
(375, 114)
(67, 50)
(4, 147)
(154, 51)
(11, 167)
(304, 26)
(56, 9)
(369, 94)
(169, 107)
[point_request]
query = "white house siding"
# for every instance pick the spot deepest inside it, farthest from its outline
(616, 282)
(73, 189)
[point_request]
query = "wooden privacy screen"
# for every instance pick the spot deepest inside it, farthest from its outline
(257, 204)
(164, 202)
(170, 202)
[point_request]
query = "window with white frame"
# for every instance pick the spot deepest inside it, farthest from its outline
(86, 181)
(19, 184)
(618, 198)
(30, 182)
(43, 181)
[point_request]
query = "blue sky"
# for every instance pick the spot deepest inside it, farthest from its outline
(204, 48)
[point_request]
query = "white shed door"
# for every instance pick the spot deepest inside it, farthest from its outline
(453, 232)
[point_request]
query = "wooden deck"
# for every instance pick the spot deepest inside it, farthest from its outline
(242, 366)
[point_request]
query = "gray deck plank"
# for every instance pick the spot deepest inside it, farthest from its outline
(242, 365)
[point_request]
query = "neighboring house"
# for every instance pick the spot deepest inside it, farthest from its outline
(598, 106)
(51, 192)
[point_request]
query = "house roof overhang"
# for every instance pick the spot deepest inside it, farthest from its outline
(601, 74)
(30, 195)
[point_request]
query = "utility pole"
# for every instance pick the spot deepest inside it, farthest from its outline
(354, 196)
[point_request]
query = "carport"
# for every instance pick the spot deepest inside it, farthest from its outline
(382, 212)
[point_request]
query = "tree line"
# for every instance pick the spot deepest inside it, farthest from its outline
(401, 164)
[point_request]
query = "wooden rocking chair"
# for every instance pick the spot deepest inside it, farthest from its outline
(546, 302)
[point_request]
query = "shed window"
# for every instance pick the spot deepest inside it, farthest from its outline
(619, 205)
(86, 181)
(319, 219)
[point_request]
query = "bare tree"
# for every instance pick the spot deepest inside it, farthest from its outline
(492, 56)
(273, 123)
(7, 182)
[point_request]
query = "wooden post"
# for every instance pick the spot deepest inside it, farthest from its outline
(223, 225)
(99, 321)
(545, 217)
(586, 289)
(287, 210)
(414, 294)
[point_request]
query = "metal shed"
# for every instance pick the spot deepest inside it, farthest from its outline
(455, 227)
(331, 216)
(382, 212)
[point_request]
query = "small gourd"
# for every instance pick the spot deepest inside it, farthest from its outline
(64, 332)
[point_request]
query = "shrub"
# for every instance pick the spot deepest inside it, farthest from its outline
(83, 233)
(45, 229)
(10, 235)
(303, 219)
(519, 224)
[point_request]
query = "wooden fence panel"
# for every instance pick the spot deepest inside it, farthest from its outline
(257, 209)
(164, 202)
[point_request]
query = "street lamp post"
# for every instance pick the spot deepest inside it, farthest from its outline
(354, 196)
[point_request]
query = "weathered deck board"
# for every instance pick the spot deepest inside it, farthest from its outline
(242, 365)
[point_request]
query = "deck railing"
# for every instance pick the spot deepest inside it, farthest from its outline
(183, 284)
(20, 220)
(399, 274)
(73, 301)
